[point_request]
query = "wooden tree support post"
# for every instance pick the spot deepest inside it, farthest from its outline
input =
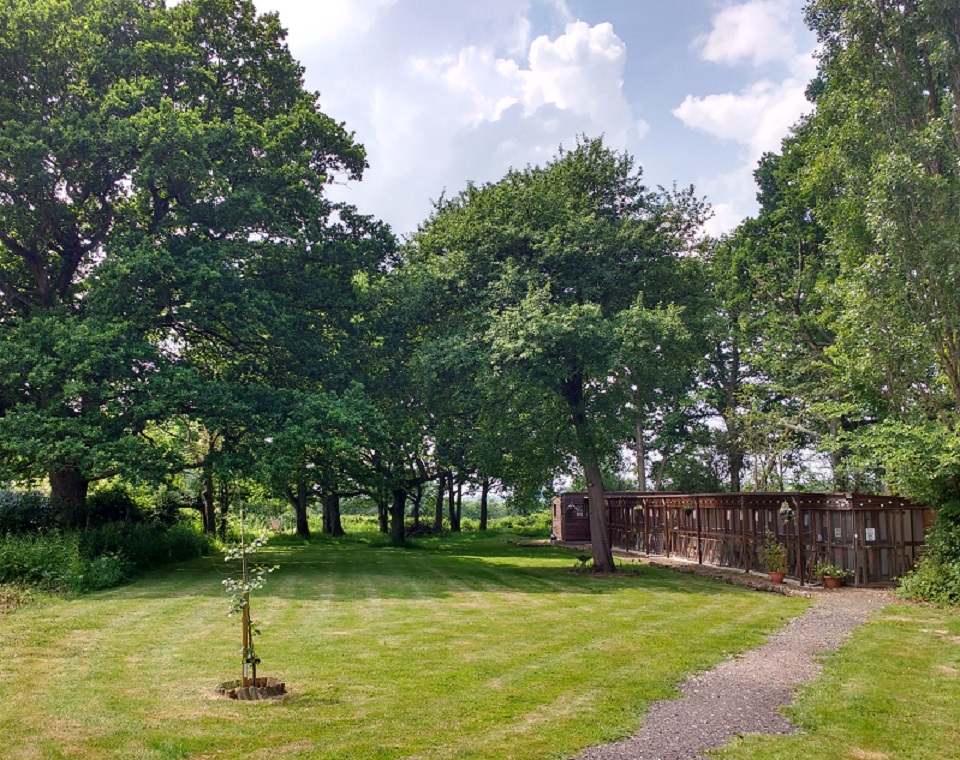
(247, 678)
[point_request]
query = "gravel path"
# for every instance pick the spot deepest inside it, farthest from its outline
(742, 695)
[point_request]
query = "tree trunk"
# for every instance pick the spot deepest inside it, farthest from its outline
(731, 418)
(484, 493)
(641, 458)
(572, 390)
(735, 465)
(324, 516)
(383, 513)
(658, 481)
(397, 516)
(224, 508)
(599, 533)
(459, 504)
(837, 456)
(438, 516)
(331, 515)
(303, 528)
(209, 506)
(68, 490)
(417, 498)
(452, 507)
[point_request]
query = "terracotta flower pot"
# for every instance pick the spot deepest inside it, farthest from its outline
(832, 582)
(777, 577)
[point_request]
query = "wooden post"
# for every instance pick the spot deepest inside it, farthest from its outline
(668, 536)
(646, 527)
(856, 550)
(696, 516)
(744, 520)
(245, 615)
(800, 553)
(828, 519)
(245, 623)
(901, 545)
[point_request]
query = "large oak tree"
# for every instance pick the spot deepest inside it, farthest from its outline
(156, 164)
(547, 278)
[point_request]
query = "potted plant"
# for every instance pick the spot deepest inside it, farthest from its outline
(831, 574)
(773, 557)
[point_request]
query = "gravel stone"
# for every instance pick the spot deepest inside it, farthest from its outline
(742, 695)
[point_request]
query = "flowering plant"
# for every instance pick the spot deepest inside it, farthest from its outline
(829, 570)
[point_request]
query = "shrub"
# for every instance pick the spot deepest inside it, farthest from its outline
(82, 561)
(936, 577)
(96, 573)
(112, 504)
(534, 524)
(52, 561)
(25, 512)
(40, 560)
(772, 554)
(146, 545)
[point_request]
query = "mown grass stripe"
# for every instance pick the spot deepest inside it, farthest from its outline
(457, 647)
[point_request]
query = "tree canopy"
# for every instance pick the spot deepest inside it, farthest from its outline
(178, 293)
(554, 282)
(161, 181)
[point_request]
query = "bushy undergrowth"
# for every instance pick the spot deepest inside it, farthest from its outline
(936, 577)
(53, 560)
(534, 524)
(30, 511)
(82, 561)
(147, 545)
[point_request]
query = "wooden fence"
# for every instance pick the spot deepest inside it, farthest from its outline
(877, 538)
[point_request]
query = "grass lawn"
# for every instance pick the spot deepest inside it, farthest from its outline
(892, 692)
(458, 647)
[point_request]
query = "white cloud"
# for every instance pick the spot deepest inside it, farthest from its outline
(757, 117)
(439, 116)
(765, 35)
(562, 10)
(758, 30)
(580, 71)
(327, 22)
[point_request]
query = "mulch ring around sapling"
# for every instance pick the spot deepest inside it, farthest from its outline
(262, 688)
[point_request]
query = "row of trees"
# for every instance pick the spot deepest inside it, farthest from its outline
(179, 299)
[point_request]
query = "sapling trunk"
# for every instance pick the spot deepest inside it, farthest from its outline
(251, 577)
(247, 622)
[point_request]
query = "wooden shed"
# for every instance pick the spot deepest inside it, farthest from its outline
(877, 538)
(571, 511)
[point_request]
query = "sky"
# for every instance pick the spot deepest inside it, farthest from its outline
(446, 92)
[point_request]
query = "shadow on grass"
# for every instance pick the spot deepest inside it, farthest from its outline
(436, 568)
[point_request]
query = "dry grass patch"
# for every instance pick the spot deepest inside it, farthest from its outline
(863, 754)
